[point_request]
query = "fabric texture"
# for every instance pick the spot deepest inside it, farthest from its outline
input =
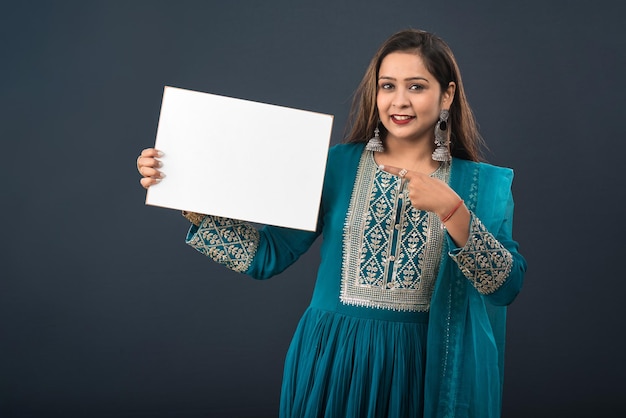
(378, 361)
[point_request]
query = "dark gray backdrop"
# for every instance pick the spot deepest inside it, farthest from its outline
(104, 311)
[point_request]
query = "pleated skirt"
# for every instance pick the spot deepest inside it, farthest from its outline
(344, 366)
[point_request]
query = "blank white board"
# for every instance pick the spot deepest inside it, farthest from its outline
(241, 159)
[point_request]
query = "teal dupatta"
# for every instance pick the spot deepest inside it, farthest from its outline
(465, 355)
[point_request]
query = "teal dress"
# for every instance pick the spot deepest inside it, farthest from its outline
(401, 323)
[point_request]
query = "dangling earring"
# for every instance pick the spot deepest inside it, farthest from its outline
(442, 138)
(375, 144)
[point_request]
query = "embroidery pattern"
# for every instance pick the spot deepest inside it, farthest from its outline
(391, 250)
(229, 242)
(484, 260)
(472, 197)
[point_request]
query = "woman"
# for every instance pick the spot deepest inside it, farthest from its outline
(418, 263)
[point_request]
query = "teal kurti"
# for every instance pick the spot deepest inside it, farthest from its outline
(401, 322)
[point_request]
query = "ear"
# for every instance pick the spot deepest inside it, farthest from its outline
(447, 96)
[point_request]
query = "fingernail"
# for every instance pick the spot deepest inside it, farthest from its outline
(159, 164)
(162, 175)
(159, 153)
(157, 181)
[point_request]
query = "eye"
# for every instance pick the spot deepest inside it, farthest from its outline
(416, 87)
(386, 86)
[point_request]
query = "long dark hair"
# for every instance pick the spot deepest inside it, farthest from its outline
(466, 142)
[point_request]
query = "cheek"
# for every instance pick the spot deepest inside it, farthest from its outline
(382, 102)
(430, 112)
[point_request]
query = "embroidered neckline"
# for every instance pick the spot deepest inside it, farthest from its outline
(391, 251)
(437, 173)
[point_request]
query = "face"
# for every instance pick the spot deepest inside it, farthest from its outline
(409, 98)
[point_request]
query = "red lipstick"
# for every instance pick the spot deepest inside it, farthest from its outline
(401, 119)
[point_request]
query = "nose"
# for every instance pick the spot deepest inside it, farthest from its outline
(400, 98)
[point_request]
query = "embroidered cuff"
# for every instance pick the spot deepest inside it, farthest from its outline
(229, 242)
(483, 259)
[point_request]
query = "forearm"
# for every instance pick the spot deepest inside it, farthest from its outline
(229, 242)
(457, 224)
(239, 246)
(494, 267)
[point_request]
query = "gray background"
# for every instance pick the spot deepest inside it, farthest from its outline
(105, 312)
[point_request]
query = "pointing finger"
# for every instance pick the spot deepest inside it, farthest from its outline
(400, 172)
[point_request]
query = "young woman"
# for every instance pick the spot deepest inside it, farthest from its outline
(407, 318)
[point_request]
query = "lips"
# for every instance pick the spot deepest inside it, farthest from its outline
(401, 119)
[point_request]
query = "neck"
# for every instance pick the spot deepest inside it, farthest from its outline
(410, 155)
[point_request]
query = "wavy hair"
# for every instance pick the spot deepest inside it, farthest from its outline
(466, 142)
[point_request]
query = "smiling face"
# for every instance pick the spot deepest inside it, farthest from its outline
(409, 98)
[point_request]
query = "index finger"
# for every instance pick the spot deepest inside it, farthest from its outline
(400, 172)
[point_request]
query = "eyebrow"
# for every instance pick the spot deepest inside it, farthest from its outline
(406, 79)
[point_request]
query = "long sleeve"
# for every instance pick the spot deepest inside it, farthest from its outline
(229, 242)
(491, 261)
(241, 247)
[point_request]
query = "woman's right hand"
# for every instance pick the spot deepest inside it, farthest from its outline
(148, 165)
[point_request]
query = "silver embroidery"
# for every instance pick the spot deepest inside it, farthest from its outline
(391, 250)
(484, 260)
(229, 242)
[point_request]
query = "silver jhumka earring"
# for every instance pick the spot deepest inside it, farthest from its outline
(375, 144)
(442, 138)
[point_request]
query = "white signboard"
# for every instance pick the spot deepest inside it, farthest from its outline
(241, 159)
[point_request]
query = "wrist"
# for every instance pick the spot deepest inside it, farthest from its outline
(451, 212)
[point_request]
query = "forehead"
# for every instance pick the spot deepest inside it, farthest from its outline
(403, 63)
